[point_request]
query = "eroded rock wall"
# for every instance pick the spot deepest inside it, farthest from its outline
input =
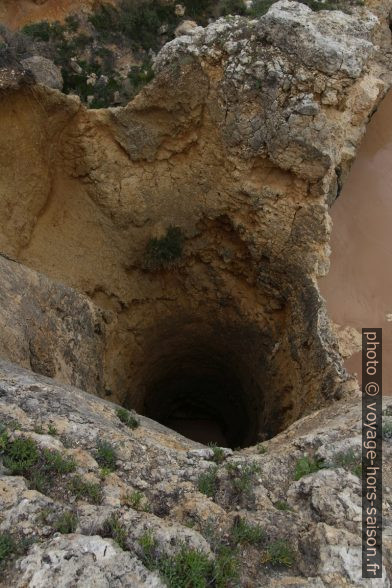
(242, 140)
(50, 328)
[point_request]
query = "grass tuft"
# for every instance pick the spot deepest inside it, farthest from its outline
(66, 523)
(208, 482)
(306, 465)
(243, 532)
(127, 418)
(106, 455)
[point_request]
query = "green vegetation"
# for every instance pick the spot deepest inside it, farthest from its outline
(307, 465)
(192, 568)
(261, 449)
(164, 252)
(113, 528)
(226, 567)
(208, 482)
(106, 455)
(85, 490)
(20, 455)
(7, 548)
(218, 454)
(349, 460)
(44, 31)
(41, 467)
(188, 568)
(245, 533)
(282, 505)
(135, 500)
(52, 430)
(11, 546)
(127, 418)
(242, 477)
(279, 553)
(66, 523)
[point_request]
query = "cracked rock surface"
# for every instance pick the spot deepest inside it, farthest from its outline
(320, 520)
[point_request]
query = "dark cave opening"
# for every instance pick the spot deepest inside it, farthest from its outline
(200, 394)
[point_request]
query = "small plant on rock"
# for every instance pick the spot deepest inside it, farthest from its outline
(7, 548)
(307, 465)
(66, 523)
(106, 455)
(20, 455)
(85, 490)
(282, 505)
(218, 454)
(135, 500)
(127, 418)
(245, 533)
(113, 528)
(279, 553)
(208, 482)
(164, 252)
(242, 477)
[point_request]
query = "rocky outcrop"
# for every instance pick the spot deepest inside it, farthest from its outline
(242, 142)
(45, 72)
(155, 489)
(51, 329)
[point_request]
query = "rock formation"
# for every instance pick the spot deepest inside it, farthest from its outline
(193, 223)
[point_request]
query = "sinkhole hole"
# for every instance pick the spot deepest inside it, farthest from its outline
(208, 386)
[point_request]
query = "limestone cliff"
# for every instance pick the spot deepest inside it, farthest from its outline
(194, 223)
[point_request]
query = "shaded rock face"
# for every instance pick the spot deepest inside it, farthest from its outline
(317, 517)
(50, 328)
(241, 141)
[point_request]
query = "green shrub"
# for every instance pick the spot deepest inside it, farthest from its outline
(113, 528)
(140, 75)
(165, 251)
(243, 477)
(134, 500)
(306, 465)
(226, 567)
(233, 7)
(261, 449)
(280, 553)
(127, 418)
(20, 456)
(85, 490)
(282, 505)
(7, 548)
(54, 462)
(208, 482)
(52, 430)
(188, 568)
(11, 546)
(218, 454)
(106, 455)
(44, 31)
(66, 523)
(244, 533)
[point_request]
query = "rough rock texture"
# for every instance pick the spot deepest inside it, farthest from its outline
(321, 519)
(242, 141)
(51, 329)
(44, 71)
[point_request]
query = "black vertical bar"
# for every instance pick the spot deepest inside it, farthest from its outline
(372, 453)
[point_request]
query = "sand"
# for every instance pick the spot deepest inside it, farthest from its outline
(358, 288)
